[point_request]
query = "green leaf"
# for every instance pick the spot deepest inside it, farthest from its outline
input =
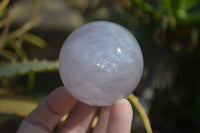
(179, 9)
(145, 6)
(187, 4)
(27, 66)
(183, 5)
(185, 15)
(20, 107)
(174, 4)
(37, 41)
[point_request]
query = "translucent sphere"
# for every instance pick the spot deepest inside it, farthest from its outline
(100, 63)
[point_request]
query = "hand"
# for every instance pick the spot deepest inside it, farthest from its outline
(116, 118)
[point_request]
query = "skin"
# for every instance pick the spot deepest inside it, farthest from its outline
(116, 118)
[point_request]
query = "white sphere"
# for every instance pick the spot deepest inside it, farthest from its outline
(100, 63)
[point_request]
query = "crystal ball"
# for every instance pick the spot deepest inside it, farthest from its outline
(100, 63)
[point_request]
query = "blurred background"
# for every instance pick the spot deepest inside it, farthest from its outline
(32, 33)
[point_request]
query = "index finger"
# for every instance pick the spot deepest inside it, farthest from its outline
(45, 117)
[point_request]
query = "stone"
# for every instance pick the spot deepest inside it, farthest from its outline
(100, 63)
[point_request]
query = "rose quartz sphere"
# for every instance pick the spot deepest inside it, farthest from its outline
(100, 62)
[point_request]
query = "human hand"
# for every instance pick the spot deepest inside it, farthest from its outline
(116, 118)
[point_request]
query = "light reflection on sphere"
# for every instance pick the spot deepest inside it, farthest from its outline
(100, 63)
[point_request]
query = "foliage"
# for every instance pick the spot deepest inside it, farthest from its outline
(174, 25)
(23, 107)
(182, 12)
(174, 19)
(170, 33)
(25, 67)
(15, 62)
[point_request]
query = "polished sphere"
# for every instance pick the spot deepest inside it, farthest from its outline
(100, 63)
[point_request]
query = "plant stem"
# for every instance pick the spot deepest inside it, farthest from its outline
(26, 27)
(30, 24)
(31, 81)
(34, 10)
(17, 45)
(20, 107)
(3, 22)
(3, 4)
(4, 34)
(8, 55)
(135, 102)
